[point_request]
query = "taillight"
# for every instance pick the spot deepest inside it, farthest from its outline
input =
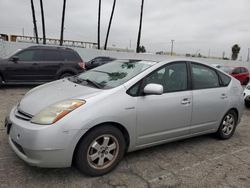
(82, 65)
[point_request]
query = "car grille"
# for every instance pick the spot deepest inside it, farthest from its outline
(22, 115)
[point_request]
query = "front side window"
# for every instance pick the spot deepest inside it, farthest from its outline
(26, 55)
(172, 77)
(204, 77)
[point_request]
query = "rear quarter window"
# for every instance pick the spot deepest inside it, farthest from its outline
(52, 55)
(70, 56)
(224, 78)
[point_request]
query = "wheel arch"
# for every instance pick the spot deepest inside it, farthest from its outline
(115, 124)
(61, 72)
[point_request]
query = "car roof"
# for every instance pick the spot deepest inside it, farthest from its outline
(50, 47)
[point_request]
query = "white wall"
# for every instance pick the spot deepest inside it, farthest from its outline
(87, 54)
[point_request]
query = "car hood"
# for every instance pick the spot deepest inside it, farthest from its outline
(42, 96)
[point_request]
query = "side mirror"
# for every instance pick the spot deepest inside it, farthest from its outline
(153, 89)
(14, 59)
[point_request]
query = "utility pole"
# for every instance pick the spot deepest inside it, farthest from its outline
(99, 23)
(248, 53)
(43, 24)
(140, 26)
(172, 47)
(62, 26)
(34, 20)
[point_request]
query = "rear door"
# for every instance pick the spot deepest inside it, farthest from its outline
(51, 63)
(210, 99)
(26, 68)
(237, 73)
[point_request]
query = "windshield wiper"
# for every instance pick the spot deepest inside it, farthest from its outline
(79, 80)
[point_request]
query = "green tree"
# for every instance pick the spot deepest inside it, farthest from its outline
(235, 51)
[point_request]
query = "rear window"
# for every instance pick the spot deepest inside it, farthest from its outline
(70, 56)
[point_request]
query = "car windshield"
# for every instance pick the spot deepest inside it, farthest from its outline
(112, 74)
(227, 69)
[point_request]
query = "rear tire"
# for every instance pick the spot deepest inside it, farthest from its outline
(100, 150)
(1, 81)
(247, 104)
(65, 75)
(246, 81)
(227, 126)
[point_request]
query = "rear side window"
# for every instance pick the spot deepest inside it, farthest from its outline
(52, 55)
(236, 71)
(70, 56)
(224, 78)
(204, 77)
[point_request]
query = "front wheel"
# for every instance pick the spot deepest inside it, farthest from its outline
(228, 125)
(100, 150)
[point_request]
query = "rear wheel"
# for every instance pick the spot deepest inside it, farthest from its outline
(65, 75)
(1, 80)
(246, 81)
(100, 150)
(228, 125)
(247, 104)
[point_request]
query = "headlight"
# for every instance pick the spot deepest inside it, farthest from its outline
(57, 111)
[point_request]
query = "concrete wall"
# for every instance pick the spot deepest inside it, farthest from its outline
(87, 54)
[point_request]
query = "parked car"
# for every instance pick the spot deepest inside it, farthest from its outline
(98, 61)
(95, 117)
(240, 73)
(247, 95)
(39, 64)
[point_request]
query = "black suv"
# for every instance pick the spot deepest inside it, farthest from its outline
(98, 61)
(39, 64)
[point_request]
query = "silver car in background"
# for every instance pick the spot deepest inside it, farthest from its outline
(126, 105)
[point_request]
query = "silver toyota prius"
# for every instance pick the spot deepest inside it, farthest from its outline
(93, 118)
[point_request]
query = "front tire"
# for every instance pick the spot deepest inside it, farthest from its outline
(100, 151)
(228, 125)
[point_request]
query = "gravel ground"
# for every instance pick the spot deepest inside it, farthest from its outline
(197, 162)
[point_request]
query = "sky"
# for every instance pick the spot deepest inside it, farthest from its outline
(209, 27)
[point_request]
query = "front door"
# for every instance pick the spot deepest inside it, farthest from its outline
(167, 116)
(25, 68)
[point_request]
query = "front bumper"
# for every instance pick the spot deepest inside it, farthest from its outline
(42, 146)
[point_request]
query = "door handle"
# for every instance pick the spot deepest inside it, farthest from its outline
(185, 101)
(223, 96)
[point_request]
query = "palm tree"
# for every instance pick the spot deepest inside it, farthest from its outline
(43, 24)
(235, 51)
(98, 29)
(110, 21)
(139, 33)
(34, 20)
(62, 26)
